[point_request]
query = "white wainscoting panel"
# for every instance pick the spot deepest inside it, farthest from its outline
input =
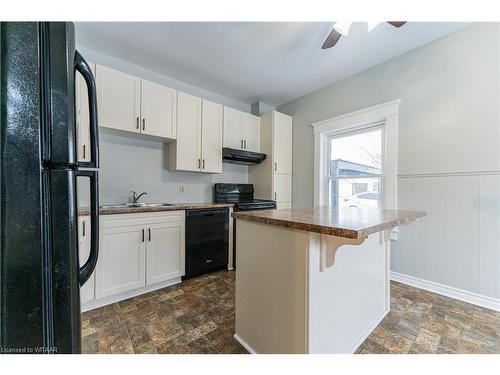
(457, 244)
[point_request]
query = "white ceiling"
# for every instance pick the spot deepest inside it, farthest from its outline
(249, 61)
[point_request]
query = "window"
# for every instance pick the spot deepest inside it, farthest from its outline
(354, 172)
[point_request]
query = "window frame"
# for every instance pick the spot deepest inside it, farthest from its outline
(346, 133)
(386, 113)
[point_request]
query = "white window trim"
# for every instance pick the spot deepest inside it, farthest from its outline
(386, 113)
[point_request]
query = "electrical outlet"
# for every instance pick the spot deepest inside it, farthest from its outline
(182, 189)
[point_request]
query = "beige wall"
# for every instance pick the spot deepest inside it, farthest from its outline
(448, 160)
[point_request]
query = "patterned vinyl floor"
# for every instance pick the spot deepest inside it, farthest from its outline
(197, 316)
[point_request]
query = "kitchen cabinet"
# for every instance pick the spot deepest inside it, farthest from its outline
(233, 124)
(282, 184)
(82, 116)
(158, 110)
(122, 260)
(241, 130)
(198, 147)
(139, 251)
(272, 179)
(185, 153)
(251, 132)
(211, 137)
(118, 99)
(164, 253)
(131, 104)
(87, 292)
(282, 143)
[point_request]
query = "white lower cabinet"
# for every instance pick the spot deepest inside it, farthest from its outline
(165, 255)
(122, 260)
(138, 253)
(87, 291)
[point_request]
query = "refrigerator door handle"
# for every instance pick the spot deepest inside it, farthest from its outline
(83, 67)
(89, 266)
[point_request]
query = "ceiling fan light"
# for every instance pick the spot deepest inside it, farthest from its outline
(372, 25)
(342, 27)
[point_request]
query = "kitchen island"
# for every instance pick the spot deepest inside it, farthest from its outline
(312, 280)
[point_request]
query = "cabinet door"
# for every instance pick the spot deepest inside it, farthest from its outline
(165, 252)
(121, 265)
(233, 128)
(211, 137)
(282, 143)
(118, 99)
(188, 147)
(158, 110)
(282, 188)
(82, 115)
(251, 132)
(87, 292)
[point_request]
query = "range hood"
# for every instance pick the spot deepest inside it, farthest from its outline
(232, 155)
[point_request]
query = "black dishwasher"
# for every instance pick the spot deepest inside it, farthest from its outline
(207, 236)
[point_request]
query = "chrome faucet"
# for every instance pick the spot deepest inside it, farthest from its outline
(135, 197)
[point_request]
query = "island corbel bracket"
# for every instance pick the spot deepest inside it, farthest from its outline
(329, 246)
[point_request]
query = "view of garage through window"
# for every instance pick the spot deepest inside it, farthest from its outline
(355, 169)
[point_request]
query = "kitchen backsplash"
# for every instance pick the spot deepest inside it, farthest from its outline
(130, 163)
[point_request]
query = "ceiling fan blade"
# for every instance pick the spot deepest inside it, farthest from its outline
(332, 39)
(396, 23)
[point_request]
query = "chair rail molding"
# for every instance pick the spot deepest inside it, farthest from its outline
(385, 114)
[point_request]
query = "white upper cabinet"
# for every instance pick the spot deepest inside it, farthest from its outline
(211, 137)
(282, 143)
(199, 136)
(158, 110)
(233, 128)
(82, 115)
(241, 130)
(118, 99)
(185, 153)
(251, 132)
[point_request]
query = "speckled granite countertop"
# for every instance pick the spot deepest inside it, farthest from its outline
(345, 222)
(106, 210)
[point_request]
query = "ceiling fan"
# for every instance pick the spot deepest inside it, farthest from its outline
(342, 28)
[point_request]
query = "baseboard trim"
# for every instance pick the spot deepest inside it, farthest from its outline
(448, 291)
(370, 329)
(244, 344)
(94, 304)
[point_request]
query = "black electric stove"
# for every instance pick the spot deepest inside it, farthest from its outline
(241, 195)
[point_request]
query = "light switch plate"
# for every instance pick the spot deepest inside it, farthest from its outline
(182, 189)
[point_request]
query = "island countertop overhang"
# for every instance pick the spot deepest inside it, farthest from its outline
(353, 223)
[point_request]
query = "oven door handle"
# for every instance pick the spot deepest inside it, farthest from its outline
(89, 266)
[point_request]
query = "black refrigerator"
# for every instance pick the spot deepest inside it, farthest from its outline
(40, 275)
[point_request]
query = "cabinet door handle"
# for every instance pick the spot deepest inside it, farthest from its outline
(142, 235)
(203, 164)
(143, 124)
(199, 163)
(149, 234)
(242, 143)
(275, 196)
(83, 229)
(84, 151)
(137, 123)
(245, 144)
(275, 166)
